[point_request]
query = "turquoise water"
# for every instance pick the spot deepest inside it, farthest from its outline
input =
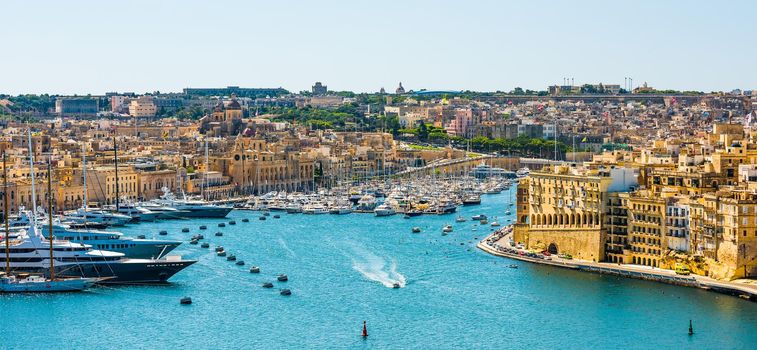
(340, 267)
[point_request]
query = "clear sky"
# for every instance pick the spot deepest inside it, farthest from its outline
(84, 47)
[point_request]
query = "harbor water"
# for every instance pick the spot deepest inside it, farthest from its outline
(342, 269)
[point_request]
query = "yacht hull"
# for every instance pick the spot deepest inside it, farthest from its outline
(134, 271)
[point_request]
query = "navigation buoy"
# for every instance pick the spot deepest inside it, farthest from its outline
(365, 330)
(691, 328)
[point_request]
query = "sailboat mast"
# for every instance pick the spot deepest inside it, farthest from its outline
(50, 216)
(115, 157)
(31, 168)
(5, 215)
(84, 170)
(205, 174)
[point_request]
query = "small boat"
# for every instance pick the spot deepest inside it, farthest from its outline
(26, 283)
(221, 224)
(254, 269)
(265, 213)
(261, 218)
(231, 257)
(232, 222)
(163, 233)
(185, 230)
(240, 263)
(416, 229)
(221, 253)
(460, 219)
(203, 227)
(219, 249)
(185, 301)
(194, 241)
(447, 229)
(495, 224)
(512, 266)
(141, 237)
(198, 237)
(277, 216)
(396, 285)
(245, 220)
(282, 278)
(478, 217)
(205, 245)
(219, 234)
(414, 212)
(268, 285)
(484, 221)
(285, 292)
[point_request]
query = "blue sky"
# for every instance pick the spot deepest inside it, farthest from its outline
(97, 46)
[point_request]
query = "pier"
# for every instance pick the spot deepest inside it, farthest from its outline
(498, 243)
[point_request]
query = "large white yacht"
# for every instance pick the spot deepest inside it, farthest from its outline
(30, 252)
(84, 216)
(193, 208)
(136, 212)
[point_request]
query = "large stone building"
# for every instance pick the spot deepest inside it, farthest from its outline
(566, 207)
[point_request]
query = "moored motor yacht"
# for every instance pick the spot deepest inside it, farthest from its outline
(84, 215)
(384, 210)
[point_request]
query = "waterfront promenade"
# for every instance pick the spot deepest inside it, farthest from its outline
(498, 243)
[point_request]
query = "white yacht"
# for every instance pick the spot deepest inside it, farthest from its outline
(137, 213)
(164, 212)
(193, 208)
(84, 216)
(384, 210)
(315, 208)
(293, 208)
(30, 252)
(28, 283)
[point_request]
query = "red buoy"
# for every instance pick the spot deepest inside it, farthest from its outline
(365, 330)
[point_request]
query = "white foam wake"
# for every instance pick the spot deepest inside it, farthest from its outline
(373, 267)
(284, 245)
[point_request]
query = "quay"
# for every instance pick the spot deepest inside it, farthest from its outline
(498, 243)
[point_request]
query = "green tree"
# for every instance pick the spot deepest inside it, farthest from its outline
(423, 132)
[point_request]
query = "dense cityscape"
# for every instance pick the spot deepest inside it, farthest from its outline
(378, 175)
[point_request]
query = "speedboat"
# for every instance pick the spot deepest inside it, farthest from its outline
(460, 219)
(478, 217)
(416, 229)
(447, 229)
(384, 210)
